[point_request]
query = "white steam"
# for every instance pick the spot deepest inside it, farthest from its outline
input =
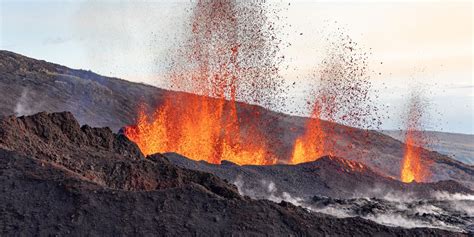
(445, 196)
(28, 103)
(267, 190)
(22, 106)
(391, 208)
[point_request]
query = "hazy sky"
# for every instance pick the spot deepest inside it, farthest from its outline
(427, 44)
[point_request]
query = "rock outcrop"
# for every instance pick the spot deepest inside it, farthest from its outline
(57, 178)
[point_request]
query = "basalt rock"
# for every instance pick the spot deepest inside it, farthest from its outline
(57, 178)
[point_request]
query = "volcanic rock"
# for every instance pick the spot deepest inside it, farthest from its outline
(327, 176)
(29, 86)
(345, 188)
(58, 178)
(438, 211)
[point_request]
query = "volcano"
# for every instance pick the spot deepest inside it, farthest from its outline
(58, 177)
(51, 164)
(31, 86)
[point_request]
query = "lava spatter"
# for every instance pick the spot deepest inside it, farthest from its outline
(230, 53)
(413, 167)
(342, 96)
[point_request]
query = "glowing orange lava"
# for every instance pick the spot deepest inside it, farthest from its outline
(216, 63)
(200, 128)
(231, 51)
(412, 167)
(310, 146)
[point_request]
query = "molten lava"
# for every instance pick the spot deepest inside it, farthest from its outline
(310, 146)
(231, 52)
(342, 96)
(228, 52)
(201, 129)
(413, 168)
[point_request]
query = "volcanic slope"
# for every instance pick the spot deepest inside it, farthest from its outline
(28, 86)
(62, 179)
(328, 176)
(345, 188)
(455, 145)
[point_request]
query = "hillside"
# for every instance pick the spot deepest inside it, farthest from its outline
(457, 146)
(316, 178)
(62, 179)
(344, 188)
(30, 86)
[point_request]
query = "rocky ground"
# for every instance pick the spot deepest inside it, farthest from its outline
(345, 188)
(446, 211)
(328, 176)
(58, 178)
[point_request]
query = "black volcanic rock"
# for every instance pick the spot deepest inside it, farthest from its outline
(57, 178)
(346, 188)
(411, 212)
(328, 176)
(96, 154)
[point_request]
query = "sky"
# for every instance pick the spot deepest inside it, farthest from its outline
(412, 44)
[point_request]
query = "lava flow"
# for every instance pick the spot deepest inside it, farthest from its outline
(229, 53)
(412, 168)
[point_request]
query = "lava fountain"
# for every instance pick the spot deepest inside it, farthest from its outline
(412, 168)
(342, 96)
(311, 144)
(230, 52)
